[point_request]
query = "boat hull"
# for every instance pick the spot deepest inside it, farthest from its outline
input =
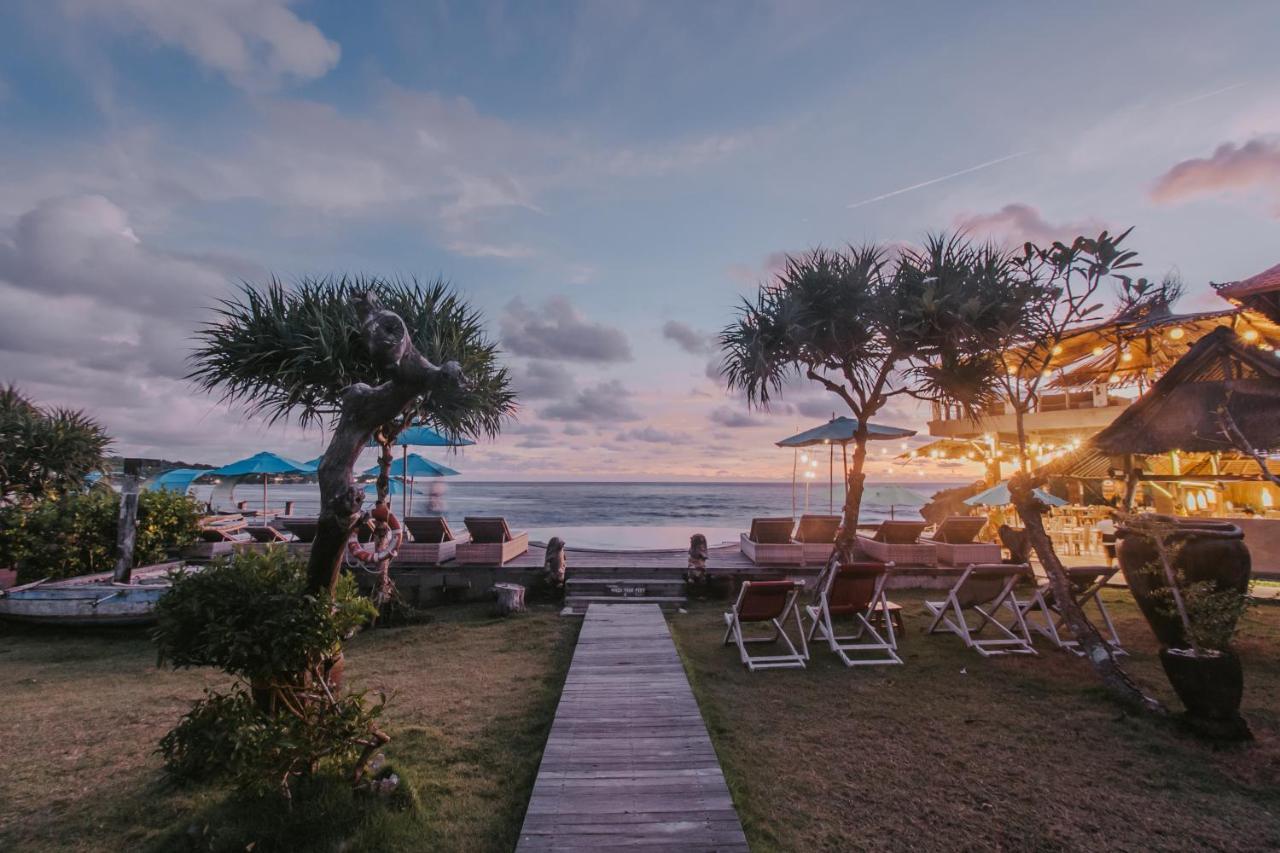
(114, 604)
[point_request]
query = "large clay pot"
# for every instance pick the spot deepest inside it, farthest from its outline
(1210, 687)
(1210, 551)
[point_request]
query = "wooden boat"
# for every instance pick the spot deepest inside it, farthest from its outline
(90, 599)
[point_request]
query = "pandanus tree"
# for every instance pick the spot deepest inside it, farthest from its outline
(1043, 296)
(868, 327)
(45, 452)
(366, 357)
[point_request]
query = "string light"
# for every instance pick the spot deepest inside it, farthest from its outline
(1057, 350)
(1126, 356)
(1251, 335)
(1176, 333)
(1098, 350)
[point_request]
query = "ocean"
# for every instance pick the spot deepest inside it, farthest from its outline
(609, 515)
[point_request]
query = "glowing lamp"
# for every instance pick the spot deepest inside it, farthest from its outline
(1176, 333)
(1098, 350)
(1112, 378)
(1126, 356)
(1250, 335)
(1057, 350)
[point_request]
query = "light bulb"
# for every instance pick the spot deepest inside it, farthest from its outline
(1176, 333)
(1126, 356)
(1251, 335)
(1098, 350)
(1057, 350)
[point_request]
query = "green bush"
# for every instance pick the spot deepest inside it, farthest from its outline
(283, 721)
(75, 534)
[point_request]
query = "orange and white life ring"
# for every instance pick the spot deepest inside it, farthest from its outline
(372, 553)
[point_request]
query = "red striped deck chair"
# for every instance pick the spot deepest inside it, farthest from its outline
(983, 590)
(771, 603)
(1043, 615)
(855, 590)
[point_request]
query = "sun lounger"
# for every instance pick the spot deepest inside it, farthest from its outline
(983, 590)
(302, 527)
(953, 541)
(1042, 614)
(430, 542)
(899, 542)
(817, 533)
(855, 590)
(492, 542)
(769, 543)
(217, 536)
(771, 602)
(269, 535)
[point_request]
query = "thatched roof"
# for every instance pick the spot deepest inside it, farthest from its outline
(1179, 412)
(1260, 292)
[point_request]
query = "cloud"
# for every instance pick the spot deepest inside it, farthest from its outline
(1018, 223)
(734, 418)
(1231, 168)
(768, 268)
(653, 435)
(604, 402)
(687, 338)
(253, 43)
(562, 332)
(541, 380)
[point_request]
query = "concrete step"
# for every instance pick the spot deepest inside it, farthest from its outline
(576, 605)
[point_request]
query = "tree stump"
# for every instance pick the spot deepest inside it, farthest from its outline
(510, 598)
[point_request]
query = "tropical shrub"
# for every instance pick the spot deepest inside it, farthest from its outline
(75, 534)
(284, 719)
(45, 451)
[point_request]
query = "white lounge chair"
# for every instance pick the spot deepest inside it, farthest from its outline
(771, 602)
(899, 542)
(769, 543)
(817, 533)
(953, 541)
(855, 590)
(984, 590)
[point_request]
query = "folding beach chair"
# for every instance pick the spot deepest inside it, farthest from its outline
(772, 602)
(1042, 614)
(265, 534)
(855, 590)
(983, 590)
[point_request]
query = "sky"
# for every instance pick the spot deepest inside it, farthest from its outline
(605, 181)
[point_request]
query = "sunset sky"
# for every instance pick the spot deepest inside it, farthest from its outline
(604, 180)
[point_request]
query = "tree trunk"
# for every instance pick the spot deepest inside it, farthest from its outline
(1099, 653)
(1019, 418)
(510, 598)
(364, 409)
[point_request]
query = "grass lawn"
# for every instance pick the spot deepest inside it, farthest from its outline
(953, 751)
(472, 699)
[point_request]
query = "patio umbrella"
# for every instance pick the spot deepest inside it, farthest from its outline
(421, 436)
(892, 496)
(417, 466)
(176, 480)
(998, 495)
(836, 431)
(263, 463)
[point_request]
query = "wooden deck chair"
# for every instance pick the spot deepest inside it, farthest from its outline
(268, 535)
(1043, 615)
(769, 543)
(772, 602)
(492, 542)
(954, 543)
(855, 590)
(984, 590)
(817, 533)
(304, 528)
(431, 543)
(899, 542)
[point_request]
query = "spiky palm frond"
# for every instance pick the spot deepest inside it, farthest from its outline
(289, 352)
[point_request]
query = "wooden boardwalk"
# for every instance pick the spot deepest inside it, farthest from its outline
(628, 763)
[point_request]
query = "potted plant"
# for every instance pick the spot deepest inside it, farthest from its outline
(1190, 578)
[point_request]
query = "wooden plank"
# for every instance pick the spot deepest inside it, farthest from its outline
(628, 763)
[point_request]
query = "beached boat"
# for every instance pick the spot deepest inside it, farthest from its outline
(90, 599)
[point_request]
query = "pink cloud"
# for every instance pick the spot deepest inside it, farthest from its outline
(1254, 165)
(1018, 223)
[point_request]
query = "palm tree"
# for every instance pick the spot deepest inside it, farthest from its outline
(868, 328)
(366, 356)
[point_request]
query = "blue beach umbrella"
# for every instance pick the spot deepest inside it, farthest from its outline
(416, 466)
(839, 431)
(421, 436)
(176, 480)
(892, 496)
(263, 463)
(998, 495)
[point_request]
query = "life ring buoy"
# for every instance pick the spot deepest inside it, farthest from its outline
(372, 553)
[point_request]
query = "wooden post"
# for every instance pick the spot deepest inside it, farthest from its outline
(127, 528)
(510, 598)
